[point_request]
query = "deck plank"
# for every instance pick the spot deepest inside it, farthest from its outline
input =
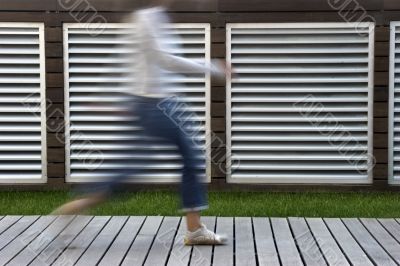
(31, 251)
(223, 255)
(392, 227)
(326, 242)
(163, 241)
(78, 246)
(17, 228)
(391, 246)
(265, 244)
(349, 245)
(143, 241)
(180, 254)
(285, 243)
(8, 221)
(368, 243)
(305, 241)
(15, 246)
(245, 249)
(52, 251)
(103, 240)
(202, 255)
(120, 246)
(244, 243)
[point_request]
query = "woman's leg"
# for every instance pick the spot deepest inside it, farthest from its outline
(80, 205)
(193, 221)
(164, 119)
(94, 195)
(193, 190)
(169, 123)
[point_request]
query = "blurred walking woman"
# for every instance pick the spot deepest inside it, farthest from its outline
(152, 102)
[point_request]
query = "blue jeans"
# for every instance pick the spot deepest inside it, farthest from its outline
(160, 118)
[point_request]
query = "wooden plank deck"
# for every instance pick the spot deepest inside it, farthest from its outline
(156, 240)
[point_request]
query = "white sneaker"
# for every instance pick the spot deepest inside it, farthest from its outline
(203, 236)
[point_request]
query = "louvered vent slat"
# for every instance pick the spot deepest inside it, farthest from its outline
(94, 62)
(394, 105)
(22, 103)
(299, 107)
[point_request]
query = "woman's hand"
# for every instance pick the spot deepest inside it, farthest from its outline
(226, 68)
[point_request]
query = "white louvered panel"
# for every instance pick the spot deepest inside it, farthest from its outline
(394, 105)
(22, 103)
(299, 107)
(95, 63)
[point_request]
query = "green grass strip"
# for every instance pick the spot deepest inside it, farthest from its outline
(221, 204)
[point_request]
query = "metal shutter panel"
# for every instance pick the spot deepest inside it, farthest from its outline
(394, 104)
(22, 103)
(299, 109)
(90, 66)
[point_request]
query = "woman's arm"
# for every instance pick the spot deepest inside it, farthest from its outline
(167, 60)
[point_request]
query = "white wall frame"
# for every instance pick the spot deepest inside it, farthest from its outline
(394, 90)
(311, 43)
(23, 156)
(183, 27)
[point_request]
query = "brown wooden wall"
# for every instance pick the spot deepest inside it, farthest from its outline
(216, 12)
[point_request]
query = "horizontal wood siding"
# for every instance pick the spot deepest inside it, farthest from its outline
(298, 5)
(216, 12)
